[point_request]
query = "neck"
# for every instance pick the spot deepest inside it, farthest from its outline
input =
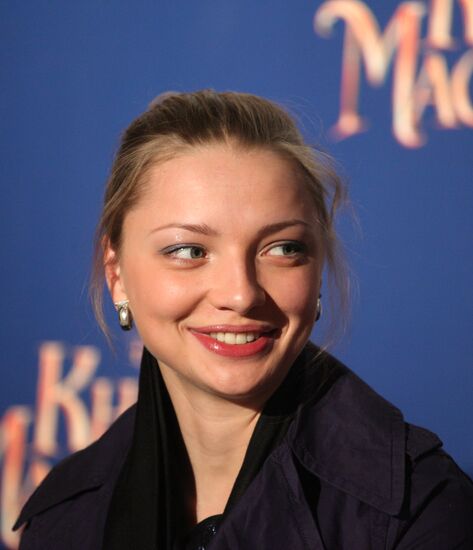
(216, 433)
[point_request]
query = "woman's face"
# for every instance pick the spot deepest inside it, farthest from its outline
(221, 262)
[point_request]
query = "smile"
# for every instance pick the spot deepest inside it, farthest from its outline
(237, 342)
(234, 338)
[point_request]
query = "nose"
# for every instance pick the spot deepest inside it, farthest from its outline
(235, 287)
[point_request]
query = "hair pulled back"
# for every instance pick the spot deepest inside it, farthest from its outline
(177, 122)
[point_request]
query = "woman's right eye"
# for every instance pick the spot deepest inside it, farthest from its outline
(187, 252)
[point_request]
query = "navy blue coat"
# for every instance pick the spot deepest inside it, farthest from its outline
(350, 474)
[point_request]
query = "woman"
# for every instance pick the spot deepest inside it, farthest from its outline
(216, 228)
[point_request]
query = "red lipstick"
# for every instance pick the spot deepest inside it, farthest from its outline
(262, 343)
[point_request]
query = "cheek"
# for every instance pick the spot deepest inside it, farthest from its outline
(297, 295)
(157, 294)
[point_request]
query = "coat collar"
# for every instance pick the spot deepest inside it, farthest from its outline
(354, 440)
(83, 471)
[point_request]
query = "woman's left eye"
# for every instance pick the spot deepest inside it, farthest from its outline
(289, 248)
(186, 252)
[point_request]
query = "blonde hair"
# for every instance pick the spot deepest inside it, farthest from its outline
(176, 122)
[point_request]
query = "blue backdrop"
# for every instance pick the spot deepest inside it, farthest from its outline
(74, 74)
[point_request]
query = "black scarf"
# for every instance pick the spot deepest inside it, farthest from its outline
(149, 509)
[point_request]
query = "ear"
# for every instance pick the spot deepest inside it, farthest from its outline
(113, 273)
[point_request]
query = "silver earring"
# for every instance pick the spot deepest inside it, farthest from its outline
(124, 314)
(318, 308)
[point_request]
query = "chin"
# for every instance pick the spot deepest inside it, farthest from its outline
(241, 388)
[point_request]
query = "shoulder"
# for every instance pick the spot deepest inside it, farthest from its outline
(359, 443)
(83, 472)
(437, 510)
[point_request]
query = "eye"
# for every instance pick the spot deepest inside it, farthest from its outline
(288, 249)
(186, 252)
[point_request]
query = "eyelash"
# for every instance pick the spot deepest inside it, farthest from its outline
(301, 248)
(173, 251)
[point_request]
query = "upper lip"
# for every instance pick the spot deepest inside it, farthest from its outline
(233, 328)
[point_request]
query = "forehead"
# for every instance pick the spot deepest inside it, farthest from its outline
(224, 185)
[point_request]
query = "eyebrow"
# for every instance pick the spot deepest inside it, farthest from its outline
(204, 229)
(201, 228)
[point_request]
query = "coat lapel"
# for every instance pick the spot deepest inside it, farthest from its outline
(354, 440)
(273, 513)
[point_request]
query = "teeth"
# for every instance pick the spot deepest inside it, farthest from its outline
(234, 337)
(230, 338)
(240, 338)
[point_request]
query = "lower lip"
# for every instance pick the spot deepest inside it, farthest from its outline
(259, 345)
